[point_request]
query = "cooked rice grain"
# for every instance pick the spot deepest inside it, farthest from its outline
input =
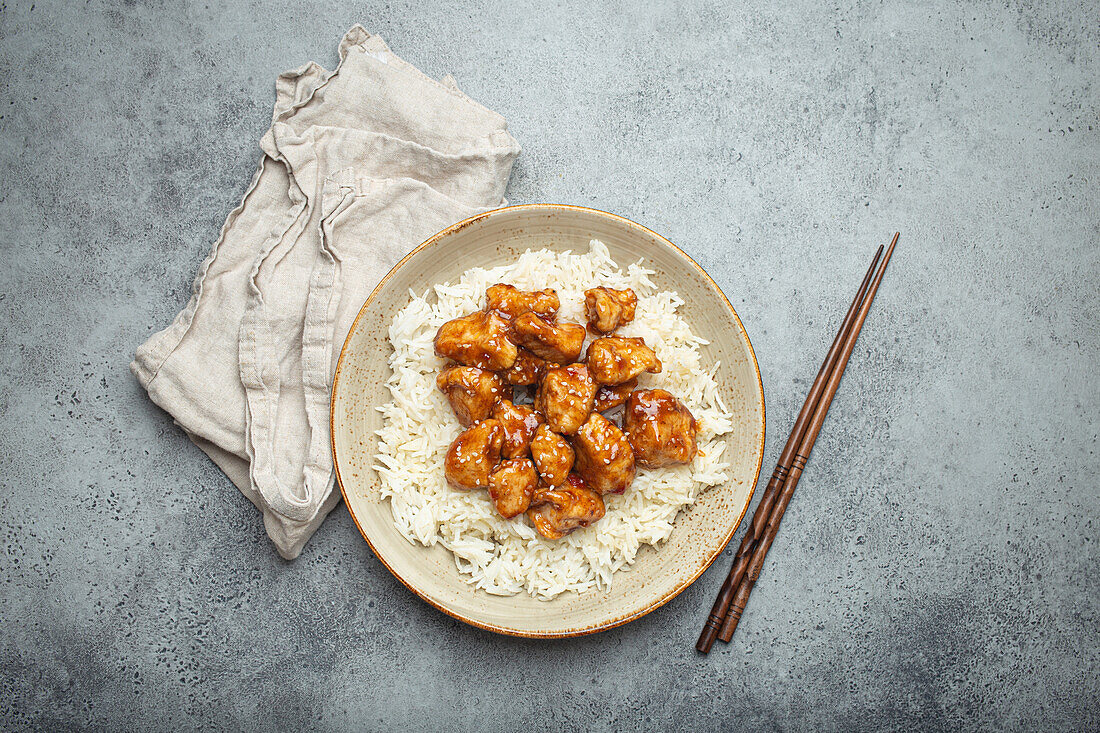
(502, 556)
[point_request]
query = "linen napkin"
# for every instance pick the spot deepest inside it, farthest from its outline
(359, 166)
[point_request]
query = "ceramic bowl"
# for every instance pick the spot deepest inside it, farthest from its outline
(700, 533)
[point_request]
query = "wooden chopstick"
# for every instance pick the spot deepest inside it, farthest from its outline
(741, 596)
(779, 475)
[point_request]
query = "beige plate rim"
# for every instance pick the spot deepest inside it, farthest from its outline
(611, 623)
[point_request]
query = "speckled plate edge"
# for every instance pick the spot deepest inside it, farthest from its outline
(614, 622)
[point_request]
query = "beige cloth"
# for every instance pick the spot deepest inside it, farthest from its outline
(360, 165)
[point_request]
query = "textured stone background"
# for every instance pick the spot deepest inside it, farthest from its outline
(939, 565)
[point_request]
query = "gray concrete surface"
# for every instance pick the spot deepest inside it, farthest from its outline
(939, 565)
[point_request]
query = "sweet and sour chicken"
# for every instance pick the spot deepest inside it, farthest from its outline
(512, 485)
(617, 359)
(553, 456)
(566, 508)
(609, 397)
(553, 461)
(608, 309)
(565, 396)
(660, 429)
(472, 392)
(605, 459)
(473, 455)
(479, 339)
(526, 369)
(520, 423)
(508, 302)
(560, 343)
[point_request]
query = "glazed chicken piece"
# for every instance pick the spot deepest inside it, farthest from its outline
(520, 423)
(473, 455)
(479, 340)
(525, 371)
(608, 309)
(660, 429)
(553, 456)
(566, 508)
(560, 343)
(509, 302)
(617, 359)
(605, 459)
(565, 397)
(608, 397)
(472, 392)
(512, 485)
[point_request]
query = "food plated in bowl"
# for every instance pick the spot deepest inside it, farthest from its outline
(675, 385)
(551, 477)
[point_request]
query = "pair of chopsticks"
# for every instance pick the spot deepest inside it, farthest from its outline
(731, 601)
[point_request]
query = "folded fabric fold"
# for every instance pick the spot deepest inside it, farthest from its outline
(359, 166)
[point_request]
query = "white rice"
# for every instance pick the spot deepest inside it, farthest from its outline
(506, 556)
